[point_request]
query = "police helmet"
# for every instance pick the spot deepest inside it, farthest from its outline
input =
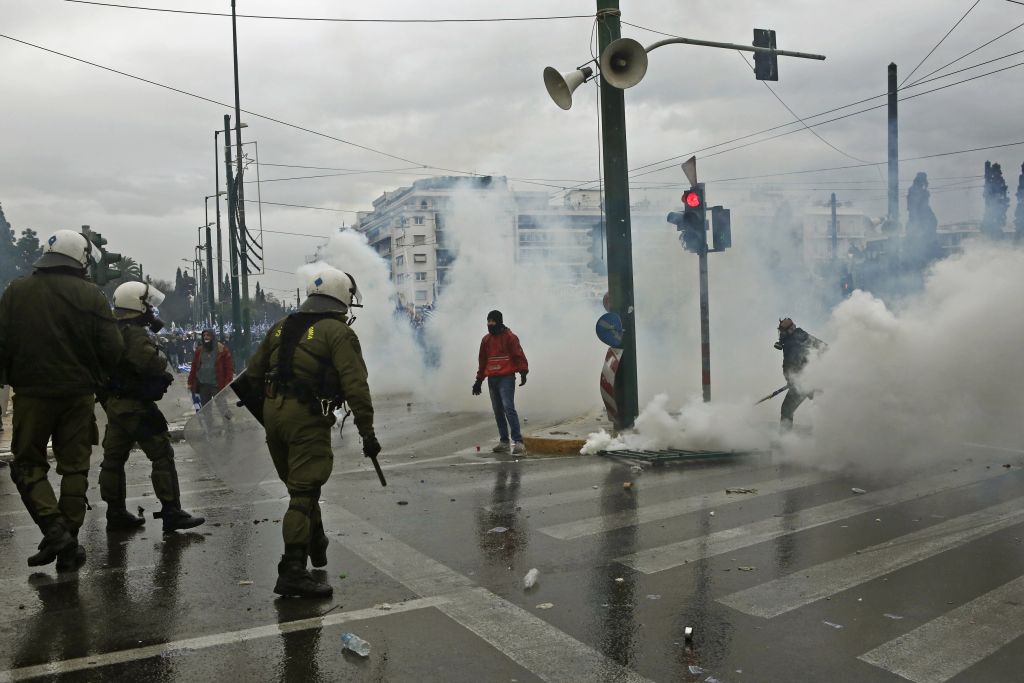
(65, 249)
(134, 298)
(334, 285)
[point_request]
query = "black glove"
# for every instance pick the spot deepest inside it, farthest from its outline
(778, 345)
(477, 387)
(522, 380)
(371, 447)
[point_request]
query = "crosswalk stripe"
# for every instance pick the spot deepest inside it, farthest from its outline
(532, 474)
(677, 554)
(805, 586)
(646, 483)
(942, 648)
(660, 511)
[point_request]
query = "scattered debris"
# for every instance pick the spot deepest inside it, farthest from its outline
(835, 626)
(746, 569)
(636, 469)
(653, 596)
(343, 575)
(741, 490)
(892, 616)
(530, 580)
(627, 485)
(385, 606)
(688, 634)
(403, 502)
(619, 580)
(857, 490)
(711, 679)
(594, 487)
(1007, 465)
(545, 605)
(712, 513)
(245, 583)
(696, 669)
(497, 530)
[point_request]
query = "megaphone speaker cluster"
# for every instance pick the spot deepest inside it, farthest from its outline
(561, 86)
(624, 63)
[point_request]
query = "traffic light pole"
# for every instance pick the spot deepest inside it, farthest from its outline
(705, 326)
(243, 235)
(618, 233)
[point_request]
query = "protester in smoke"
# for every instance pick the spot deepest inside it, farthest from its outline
(501, 357)
(796, 346)
(212, 368)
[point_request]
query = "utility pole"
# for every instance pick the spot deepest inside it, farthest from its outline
(705, 325)
(835, 229)
(236, 307)
(618, 233)
(894, 152)
(243, 235)
(220, 251)
(208, 285)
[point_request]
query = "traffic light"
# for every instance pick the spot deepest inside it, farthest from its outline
(103, 270)
(766, 66)
(846, 285)
(721, 228)
(691, 221)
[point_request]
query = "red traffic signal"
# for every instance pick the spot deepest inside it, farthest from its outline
(691, 199)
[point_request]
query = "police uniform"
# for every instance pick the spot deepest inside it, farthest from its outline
(307, 365)
(133, 417)
(58, 344)
(796, 346)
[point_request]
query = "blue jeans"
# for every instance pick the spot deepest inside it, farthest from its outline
(503, 391)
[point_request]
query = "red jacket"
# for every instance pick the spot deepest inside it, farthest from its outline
(225, 367)
(501, 355)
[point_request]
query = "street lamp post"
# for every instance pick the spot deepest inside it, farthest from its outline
(239, 191)
(220, 242)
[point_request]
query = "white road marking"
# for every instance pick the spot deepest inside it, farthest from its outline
(654, 513)
(212, 640)
(531, 642)
(808, 585)
(676, 554)
(531, 476)
(942, 648)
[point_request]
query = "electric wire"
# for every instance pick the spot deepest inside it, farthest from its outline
(968, 54)
(330, 19)
(914, 70)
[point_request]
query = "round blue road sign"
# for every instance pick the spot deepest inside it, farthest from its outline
(609, 330)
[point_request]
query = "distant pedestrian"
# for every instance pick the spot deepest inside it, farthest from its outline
(58, 344)
(5, 396)
(212, 368)
(501, 357)
(796, 346)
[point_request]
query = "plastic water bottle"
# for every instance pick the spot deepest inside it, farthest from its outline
(351, 641)
(530, 579)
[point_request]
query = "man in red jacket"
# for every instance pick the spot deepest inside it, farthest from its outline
(212, 368)
(501, 357)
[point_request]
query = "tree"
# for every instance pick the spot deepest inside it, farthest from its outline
(922, 245)
(997, 202)
(7, 260)
(26, 251)
(1018, 214)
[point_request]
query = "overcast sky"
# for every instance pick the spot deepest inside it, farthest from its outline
(79, 145)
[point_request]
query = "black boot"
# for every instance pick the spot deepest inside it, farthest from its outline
(318, 546)
(71, 558)
(294, 580)
(119, 519)
(175, 518)
(55, 539)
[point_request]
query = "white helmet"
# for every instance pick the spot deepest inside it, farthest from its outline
(133, 298)
(65, 248)
(336, 285)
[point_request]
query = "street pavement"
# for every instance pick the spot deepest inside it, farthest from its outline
(919, 578)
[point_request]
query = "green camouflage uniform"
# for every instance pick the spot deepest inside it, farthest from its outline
(58, 344)
(298, 431)
(132, 419)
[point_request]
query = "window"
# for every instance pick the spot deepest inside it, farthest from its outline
(419, 258)
(399, 260)
(421, 276)
(424, 205)
(419, 239)
(418, 220)
(400, 241)
(421, 295)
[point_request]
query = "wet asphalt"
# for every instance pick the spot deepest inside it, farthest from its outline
(919, 578)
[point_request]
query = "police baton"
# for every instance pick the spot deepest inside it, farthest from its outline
(380, 473)
(772, 395)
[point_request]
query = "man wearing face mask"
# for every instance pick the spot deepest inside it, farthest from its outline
(58, 344)
(212, 368)
(796, 346)
(140, 379)
(501, 357)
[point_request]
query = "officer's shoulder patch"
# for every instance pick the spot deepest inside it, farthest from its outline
(309, 333)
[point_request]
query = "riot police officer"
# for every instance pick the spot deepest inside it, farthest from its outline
(58, 345)
(139, 380)
(308, 364)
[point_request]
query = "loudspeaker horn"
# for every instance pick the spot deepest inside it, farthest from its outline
(624, 63)
(561, 86)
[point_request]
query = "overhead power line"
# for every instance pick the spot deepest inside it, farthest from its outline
(907, 78)
(967, 54)
(333, 19)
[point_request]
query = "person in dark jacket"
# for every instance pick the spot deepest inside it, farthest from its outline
(212, 368)
(58, 345)
(133, 417)
(796, 346)
(501, 357)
